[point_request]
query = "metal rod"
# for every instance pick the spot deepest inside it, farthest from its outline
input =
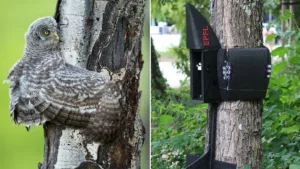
(212, 131)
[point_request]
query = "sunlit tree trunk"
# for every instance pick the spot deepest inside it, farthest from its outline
(99, 34)
(238, 23)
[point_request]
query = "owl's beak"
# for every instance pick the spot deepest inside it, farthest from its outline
(56, 37)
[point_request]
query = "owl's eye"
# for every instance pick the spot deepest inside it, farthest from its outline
(45, 32)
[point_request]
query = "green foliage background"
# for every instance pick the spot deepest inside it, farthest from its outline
(20, 149)
(281, 117)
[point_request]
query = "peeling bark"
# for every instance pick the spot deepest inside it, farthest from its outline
(100, 34)
(238, 23)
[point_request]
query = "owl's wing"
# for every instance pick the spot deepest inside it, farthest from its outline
(75, 97)
(13, 77)
(15, 71)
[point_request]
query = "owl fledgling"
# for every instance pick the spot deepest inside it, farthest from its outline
(43, 87)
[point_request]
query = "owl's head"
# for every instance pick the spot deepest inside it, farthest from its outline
(42, 34)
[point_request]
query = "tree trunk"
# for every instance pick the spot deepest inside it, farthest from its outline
(296, 13)
(283, 23)
(292, 9)
(238, 23)
(292, 21)
(100, 34)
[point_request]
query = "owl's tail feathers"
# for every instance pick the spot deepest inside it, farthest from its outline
(24, 113)
(28, 117)
(105, 124)
(71, 117)
(14, 109)
(63, 115)
(37, 111)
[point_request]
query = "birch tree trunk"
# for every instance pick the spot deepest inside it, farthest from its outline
(98, 34)
(238, 23)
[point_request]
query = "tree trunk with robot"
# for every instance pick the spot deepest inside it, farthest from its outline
(238, 24)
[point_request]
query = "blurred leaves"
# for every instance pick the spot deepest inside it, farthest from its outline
(294, 166)
(165, 120)
(271, 37)
(271, 5)
(178, 128)
(281, 117)
(280, 51)
(286, 16)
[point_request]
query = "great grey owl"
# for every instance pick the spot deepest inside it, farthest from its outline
(43, 87)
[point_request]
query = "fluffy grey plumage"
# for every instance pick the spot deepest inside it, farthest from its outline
(43, 87)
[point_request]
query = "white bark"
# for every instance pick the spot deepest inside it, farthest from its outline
(72, 31)
(74, 37)
(71, 151)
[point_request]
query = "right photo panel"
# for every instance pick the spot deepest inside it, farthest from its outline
(225, 80)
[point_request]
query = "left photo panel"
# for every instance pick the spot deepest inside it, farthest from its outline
(76, 90)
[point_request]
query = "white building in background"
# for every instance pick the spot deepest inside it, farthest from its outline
(165, 37)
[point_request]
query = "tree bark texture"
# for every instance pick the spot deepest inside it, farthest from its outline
(238, 24)
(99, 34)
